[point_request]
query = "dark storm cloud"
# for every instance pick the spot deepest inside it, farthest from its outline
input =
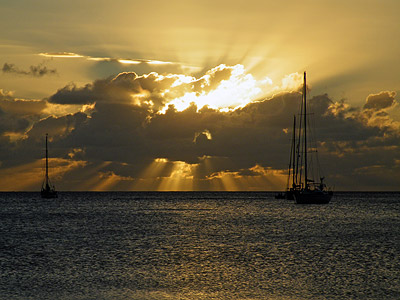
(127, 87)
(70, 94)
(57, 127)
(17, 115)
(245, 137)
(9, 124)
(125, 132)
(36, 71)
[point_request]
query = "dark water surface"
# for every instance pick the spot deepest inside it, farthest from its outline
(198, 246)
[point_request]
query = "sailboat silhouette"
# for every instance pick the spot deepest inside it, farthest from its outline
(305, 189)
(48, 190)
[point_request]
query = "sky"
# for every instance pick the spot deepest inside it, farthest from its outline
(197, 95)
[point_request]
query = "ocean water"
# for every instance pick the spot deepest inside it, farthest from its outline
(198, 245)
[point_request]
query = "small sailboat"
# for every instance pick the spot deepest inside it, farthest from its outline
(48, 190)
(303, 171)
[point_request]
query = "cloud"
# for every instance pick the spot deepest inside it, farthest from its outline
(60, 55)
(70, 94)
(96, 58)
(223, 87)
(17, 115)
(57, 127)
(36, 71)
(106, 66)
(380, 101)
(376, 110)
(129, 134)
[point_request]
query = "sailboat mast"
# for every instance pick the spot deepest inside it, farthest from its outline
(291, 169)
(294, 152)
(299, 157)
(305, 132)
(47, 165)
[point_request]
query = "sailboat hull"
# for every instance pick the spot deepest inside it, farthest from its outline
(290, 195)
(312, 197)
(48, 194)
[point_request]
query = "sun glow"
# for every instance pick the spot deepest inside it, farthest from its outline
(61, 55)
(129, 61)
(236, 91)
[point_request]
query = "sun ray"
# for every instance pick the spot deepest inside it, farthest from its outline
(30, 176)
(91, 173)
(180, 178)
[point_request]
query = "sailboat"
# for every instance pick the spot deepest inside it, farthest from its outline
(48, 190)
(304, 169)
(305, 189)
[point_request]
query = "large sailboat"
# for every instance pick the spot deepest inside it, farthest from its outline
(48, 190)
(307, 183)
